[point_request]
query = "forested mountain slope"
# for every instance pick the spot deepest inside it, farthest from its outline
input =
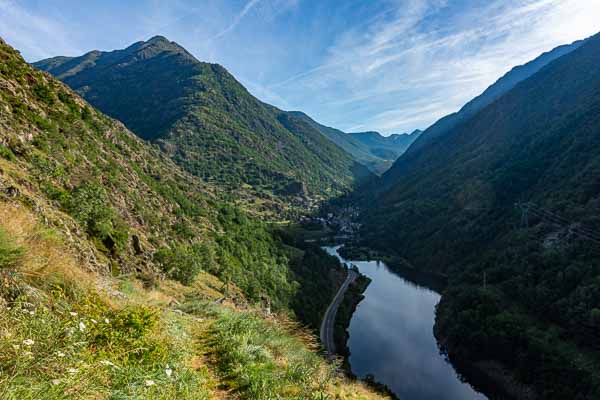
(371, 149)
(503, 85)
(123, 276)
(458, 209)
(358, 151)
(206, 120)
(108, 187)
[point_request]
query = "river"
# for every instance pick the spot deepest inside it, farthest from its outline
(391, 338)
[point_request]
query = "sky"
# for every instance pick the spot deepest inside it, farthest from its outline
(386, 65)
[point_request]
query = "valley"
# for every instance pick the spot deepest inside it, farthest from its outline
(165, 234)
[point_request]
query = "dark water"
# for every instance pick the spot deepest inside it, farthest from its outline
(391, 338)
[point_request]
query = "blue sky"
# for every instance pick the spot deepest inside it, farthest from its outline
(386, 65)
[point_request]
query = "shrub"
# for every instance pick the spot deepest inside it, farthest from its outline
(10, 253)
(7, 153)
(90, 206)
(129, 329)
(183, 262)
(44, 93)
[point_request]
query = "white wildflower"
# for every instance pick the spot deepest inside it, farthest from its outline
(60, 354)
(81, 326)
(56, 382)
(106, 320)
(149, 382)
(32, 312)
(72, 370)
(108, 363)
(28, 342)
(168, 371)
(73, 314)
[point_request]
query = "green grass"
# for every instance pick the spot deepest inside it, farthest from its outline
(60, 350)
(62, 339)
(64, 336)
(262, 361)
(10, 252)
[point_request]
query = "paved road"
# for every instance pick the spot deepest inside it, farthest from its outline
(327, 325)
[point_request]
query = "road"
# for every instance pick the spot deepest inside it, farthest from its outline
(327, 325)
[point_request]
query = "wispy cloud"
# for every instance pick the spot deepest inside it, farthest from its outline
(237, 19)
(388, 65)
(427, 58)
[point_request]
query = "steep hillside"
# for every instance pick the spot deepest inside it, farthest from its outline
(524, 286)
(503, 85)
(353, 147)
(88, 173)
(371, 149)
(122, 276)
(72, 334)
(206, 120)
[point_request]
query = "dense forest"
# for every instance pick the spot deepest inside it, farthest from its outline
(505, 205)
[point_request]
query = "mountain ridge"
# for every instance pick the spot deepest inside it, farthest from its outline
(120, 271)
(209, 123)
(493, 92)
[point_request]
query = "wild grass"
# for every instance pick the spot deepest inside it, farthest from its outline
(61, 339)
(63, 336)
(263, 362)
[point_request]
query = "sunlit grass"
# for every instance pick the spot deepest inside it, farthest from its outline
(61, 339)
(64, 336)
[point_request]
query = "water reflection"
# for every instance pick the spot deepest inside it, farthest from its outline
(391, 338)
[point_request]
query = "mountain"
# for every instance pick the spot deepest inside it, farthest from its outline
(387, 147)
(206, 121)
(506, 205)
(371, 149)
(87, 174)
(120, 271)
(503, 85)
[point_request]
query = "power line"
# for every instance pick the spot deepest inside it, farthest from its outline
(574, 227)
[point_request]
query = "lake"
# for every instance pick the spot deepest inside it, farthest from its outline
(391, 337)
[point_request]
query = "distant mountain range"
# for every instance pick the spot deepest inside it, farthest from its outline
(371, 149)
(206, 121)
(387, 147)
(503, 198)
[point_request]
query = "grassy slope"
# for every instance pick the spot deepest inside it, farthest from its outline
(70, 334)
(208, 122)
